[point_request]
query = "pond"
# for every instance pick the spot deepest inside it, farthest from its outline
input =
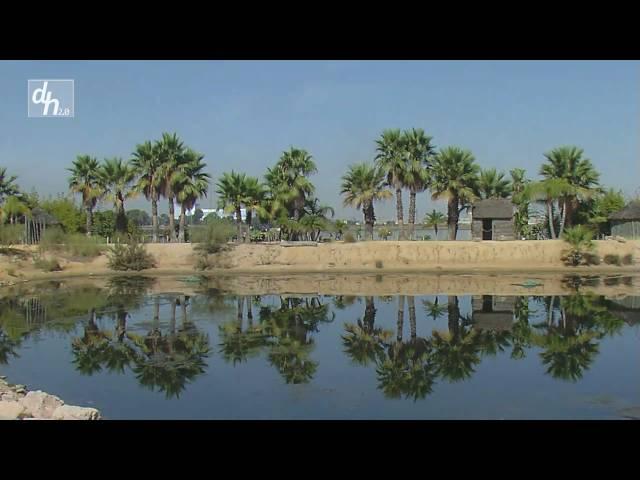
(137, 350)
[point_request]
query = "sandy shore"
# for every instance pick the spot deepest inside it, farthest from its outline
(458, 257)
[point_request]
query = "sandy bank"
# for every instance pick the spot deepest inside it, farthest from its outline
(363, 257)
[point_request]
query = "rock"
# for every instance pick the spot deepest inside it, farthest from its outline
(3, 377)
(69, 412)
(621, 239)
(40, 404)
(11, 410)
(9, 397)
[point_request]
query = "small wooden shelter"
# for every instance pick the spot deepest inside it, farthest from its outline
(492, 219)
(626, 222)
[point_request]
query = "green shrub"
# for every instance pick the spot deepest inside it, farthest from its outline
(349, 238)
(384, 233)
(627, 259)
(580, 240)
(592, 259)
(213, 236)
(203, 262)
(11, 235)
(50, 265)
(132, 256)
(612, 259)
(75, 244)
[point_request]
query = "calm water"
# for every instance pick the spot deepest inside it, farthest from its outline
(135, 355)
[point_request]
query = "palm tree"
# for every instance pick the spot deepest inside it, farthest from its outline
(255, 194)
(419, 151)
(146, 163)
(454, 178)
(192, 184)
(492, 184)
(232, 195)
(116, 178)
(547, 191)
(85, 179)
(567, 163)
(14, 207)
(172, 156)
(297, 164)
(7, 184)
(519, 184)
(434, 309)
(434, 219)
(362, 185)
(391, 159)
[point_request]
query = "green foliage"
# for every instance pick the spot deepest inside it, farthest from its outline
(11, 234)
(104, 224)
(349, 238)
(131, 256)
(71, 217)
(50, 265)
(138, 217)
(76, 244)
(213, 236)
(384, 232)
(627, 259)
(580, 240)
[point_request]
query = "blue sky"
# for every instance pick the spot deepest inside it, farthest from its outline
(243, 114)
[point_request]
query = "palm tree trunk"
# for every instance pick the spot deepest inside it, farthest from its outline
(369, 218)
(400, 214)
(181, 225)
(452, 217)
(239, 223)
(369, 313)
(400, 321)
(563, 216)
(435, 229)
(550, 215)
(454, 315)
(248, 219)
(89, 224)
(121, 217)
(172, 221)
(154, 219)
(412, 316)
(412, 213)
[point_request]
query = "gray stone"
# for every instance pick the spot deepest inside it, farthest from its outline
(40, 404)
(9, 397)
(11, 410)
(69, 412)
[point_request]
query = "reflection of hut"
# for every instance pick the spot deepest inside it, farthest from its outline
(492, 219)
(36, 225)
(626, 222)
(492, 312)
(628, 309)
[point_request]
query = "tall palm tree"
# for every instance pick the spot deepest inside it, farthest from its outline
(391, 159)
(493, 184)
(434, 219)
(172, 154)
(255, 196)
(419, 151)
(7, 184)
(232, 195)
(454, 178)
(192, 183)
(567, 163)
(519, 184)
(297, 164)
(362, 185)
(146, 162)
(85, 179)
(548, 191)
(116, 178)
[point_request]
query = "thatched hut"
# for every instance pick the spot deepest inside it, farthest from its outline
(490, 312)
(492, 219)
(626, 222)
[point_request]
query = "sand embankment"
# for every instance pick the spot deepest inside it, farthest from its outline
(330, 258)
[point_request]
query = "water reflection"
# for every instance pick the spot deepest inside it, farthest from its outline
(163, 340)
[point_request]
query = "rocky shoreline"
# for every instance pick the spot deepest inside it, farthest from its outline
(17, 403)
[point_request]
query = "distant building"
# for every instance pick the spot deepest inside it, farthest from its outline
(626, 222)
(492, 219)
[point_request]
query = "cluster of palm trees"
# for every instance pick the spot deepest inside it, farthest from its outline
(285, 199)
(165, 168)
(408, 160)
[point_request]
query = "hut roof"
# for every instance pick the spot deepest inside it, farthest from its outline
(493, 208)
(39, 215)
(630, 212)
